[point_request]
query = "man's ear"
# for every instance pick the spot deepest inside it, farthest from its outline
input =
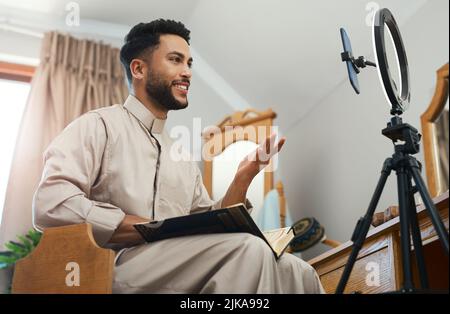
(137, 69)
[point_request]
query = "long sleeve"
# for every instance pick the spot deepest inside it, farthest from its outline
(71, 168)
(201, 200)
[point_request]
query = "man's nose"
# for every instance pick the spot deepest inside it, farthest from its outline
(187, 72)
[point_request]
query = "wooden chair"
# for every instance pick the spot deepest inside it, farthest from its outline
(67, 260)
(436, 158)
(243, 126)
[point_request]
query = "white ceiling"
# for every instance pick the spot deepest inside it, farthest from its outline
(138, 10)
(268, 53)
(111, 11)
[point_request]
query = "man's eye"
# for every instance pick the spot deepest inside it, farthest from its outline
(176, 60)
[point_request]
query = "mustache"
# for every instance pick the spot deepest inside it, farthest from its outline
(181, 81)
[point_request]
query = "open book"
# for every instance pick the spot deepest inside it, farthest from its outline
(226, 220)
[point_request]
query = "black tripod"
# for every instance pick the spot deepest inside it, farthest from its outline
(407, 168)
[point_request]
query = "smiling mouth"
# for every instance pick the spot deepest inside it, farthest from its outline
(181, 85)
(182, 89)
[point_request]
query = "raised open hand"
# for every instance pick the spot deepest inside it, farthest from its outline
(257, 160)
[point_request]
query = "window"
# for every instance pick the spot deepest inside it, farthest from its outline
(14, 89)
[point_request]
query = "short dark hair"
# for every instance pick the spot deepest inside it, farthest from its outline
(144, 37)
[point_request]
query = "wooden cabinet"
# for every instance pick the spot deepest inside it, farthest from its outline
(378, 267)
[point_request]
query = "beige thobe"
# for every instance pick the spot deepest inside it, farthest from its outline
(120, 160)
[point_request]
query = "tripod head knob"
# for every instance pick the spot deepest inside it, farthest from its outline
(396, 130)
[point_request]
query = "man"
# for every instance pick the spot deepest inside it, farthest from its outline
(112, 168)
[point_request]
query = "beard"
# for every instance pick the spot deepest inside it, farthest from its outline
(160, 91)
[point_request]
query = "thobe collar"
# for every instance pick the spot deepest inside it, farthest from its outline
(136, 108)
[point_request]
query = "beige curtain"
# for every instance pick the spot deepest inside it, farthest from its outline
(74, 76)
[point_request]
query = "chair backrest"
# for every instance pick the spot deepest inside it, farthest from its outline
(435, 136)
(66, 260)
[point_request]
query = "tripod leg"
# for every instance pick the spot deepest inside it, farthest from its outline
(434, 215)
(402, 186)
(416, 236)
(363, 225)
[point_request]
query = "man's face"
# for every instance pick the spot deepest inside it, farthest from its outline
(169, 75)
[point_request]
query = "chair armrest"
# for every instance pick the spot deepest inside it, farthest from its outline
(282, 202)
(66, 260)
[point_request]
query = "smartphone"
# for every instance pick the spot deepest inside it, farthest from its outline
(352, 72)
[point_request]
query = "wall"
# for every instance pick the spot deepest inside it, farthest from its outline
(335, 154)
(20, 48)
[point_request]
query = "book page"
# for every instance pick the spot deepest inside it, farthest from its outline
(279, 238)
